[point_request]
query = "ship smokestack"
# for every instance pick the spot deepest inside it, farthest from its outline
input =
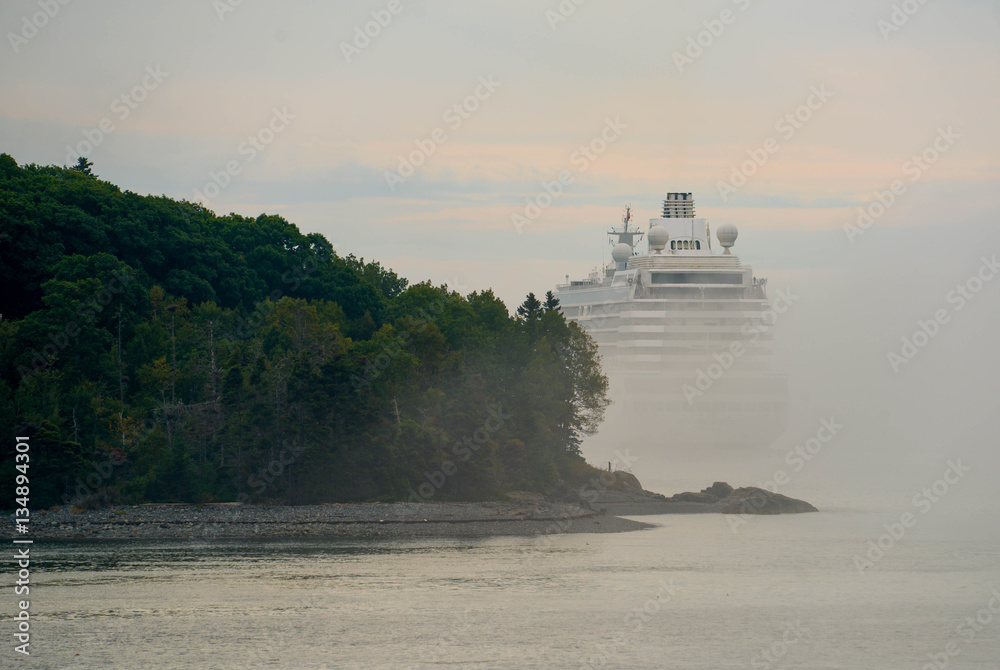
(678, 206)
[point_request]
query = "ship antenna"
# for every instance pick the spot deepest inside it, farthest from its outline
(625, 235)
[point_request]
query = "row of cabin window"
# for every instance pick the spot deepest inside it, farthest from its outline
(685, 244)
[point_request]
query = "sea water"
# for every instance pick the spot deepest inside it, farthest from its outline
(695, 592)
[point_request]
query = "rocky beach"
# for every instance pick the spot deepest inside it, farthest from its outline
(349, 520)
(595, 511)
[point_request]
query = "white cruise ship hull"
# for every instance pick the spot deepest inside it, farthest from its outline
(685, 337)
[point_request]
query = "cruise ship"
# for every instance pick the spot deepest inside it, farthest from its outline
(685, 332)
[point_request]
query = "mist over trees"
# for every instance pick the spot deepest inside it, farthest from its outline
(154, 351)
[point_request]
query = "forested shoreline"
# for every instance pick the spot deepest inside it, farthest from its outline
(154, 351)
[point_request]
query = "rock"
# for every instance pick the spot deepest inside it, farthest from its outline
(713, 494)
(526, 498)
(689, 496)
(719, 490)
(752, 500)
(721, 497)
(627, 479)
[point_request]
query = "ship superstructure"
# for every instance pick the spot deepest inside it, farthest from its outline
(684, 331)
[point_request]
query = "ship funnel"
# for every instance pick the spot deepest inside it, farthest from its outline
(678, 206)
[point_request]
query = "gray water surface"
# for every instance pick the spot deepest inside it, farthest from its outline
(780, 592)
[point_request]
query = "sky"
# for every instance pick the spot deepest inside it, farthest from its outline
(422, 142)
(352, 106)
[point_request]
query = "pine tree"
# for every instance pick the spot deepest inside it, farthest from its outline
(551, 301)
(83, 165)
(530, 309)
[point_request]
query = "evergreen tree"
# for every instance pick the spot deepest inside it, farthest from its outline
(530, 308)
(83, 165)
(551, 301)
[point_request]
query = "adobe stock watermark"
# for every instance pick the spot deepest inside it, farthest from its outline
(968, 630)
(787, 125)
(796, 457)
(464, 450)
(705, 378)
(633, 622)
(454, 116)
(899, 17)
(31, 25)
(223, 7)
(923, 501)
(363, 36)
(927, 330)
(714, 28)
(253, 146)
(121, 107)
(768, 656)
(581, 160)
(914, 168)
(562, 12)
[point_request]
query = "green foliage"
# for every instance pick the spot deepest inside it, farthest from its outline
(153, 351)
(530, 308)
(83, 165)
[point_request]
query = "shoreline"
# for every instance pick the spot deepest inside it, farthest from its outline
(355, 520)
(529, 515)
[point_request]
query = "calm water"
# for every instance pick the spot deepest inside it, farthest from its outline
(690, 594)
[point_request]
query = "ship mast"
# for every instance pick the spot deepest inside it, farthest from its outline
(625, 234)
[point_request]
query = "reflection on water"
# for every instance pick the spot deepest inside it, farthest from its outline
(688, 594)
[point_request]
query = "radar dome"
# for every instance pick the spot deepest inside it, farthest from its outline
(657, 238)
(727, 234)
(621, 253)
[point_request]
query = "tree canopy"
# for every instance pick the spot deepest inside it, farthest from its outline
(154, 351)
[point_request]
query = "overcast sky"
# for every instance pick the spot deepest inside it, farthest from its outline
(296, 114)
(224, 72)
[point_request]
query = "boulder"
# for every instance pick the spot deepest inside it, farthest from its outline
(713, 494)
(627, 480)
(753, 500)
(719, 490)
(747, 500)
(690, 496)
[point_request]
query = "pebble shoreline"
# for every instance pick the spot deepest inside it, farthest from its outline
(347, 520)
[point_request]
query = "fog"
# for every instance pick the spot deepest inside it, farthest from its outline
(357, 114)
(902, 427)
(489, 146)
